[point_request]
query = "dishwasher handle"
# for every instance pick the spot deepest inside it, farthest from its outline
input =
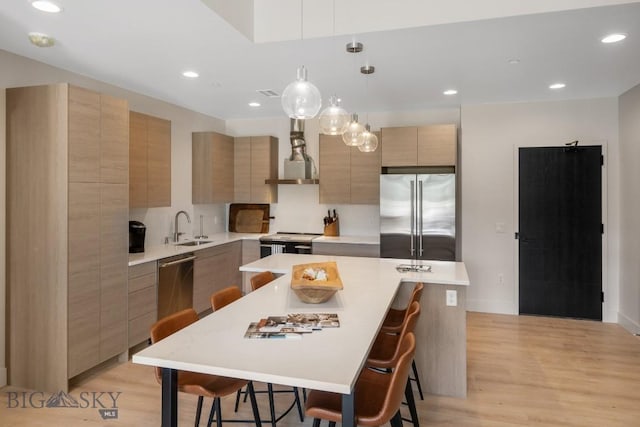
(178, 261)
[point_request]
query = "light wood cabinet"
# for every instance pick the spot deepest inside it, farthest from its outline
(214, 269)
(348, 176)
(150, 161)
(250, 253)
(432, 145)
(212, 168)
(143, 304)
(346, 249)
(255, 160)
(67, 237)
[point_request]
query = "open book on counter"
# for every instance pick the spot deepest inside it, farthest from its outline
(292, 325)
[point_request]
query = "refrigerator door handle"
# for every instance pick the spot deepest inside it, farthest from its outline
(413, 217)
(420, 219)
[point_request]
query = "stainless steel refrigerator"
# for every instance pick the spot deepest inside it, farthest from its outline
(418, 214)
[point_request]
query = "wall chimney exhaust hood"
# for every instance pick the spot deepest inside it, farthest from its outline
(299, 167)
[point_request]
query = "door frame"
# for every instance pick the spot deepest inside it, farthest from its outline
(606, 286)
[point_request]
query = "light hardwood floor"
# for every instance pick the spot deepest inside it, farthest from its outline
(522, 371)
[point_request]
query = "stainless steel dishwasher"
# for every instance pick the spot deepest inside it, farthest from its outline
(175, 284)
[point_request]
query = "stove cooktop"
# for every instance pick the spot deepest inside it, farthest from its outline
(290, 237)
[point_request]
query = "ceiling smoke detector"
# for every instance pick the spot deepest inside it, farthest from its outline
(41, 40)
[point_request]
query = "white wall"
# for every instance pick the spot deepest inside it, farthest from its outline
(629, 315)
(490, 137)
(298, 208)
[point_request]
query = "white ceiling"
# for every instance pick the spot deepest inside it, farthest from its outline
(144, 45)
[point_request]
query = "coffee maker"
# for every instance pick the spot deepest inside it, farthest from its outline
(136, 237)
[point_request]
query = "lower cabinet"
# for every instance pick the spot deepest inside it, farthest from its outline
(214, 269)
(346, 249)
(250, 253)
(143, 304)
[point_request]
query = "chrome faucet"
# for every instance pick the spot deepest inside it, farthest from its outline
(176, 233)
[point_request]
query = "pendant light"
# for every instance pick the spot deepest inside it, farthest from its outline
(301, 99)
(368, 141)
(334, 119)
(354, 129)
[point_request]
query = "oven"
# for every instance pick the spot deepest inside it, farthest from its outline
(287, 243)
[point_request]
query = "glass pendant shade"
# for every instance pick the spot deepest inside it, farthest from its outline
(354, 129)
(334, 119)
(301, 99)
(368, 140)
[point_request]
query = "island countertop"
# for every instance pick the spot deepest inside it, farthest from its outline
(442, 272)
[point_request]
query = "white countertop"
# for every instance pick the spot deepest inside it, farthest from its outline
(156, 252)
(328, 360)
(359, 240)
(442, 272)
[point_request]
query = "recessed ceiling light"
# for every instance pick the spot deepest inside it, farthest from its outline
(46, 6)
(613, 38)
(41, 40)
(450, 92)
(254, 104)
(557, 86)
(190, 74)
(513, 61)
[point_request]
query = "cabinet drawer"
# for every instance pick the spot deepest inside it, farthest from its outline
(346, 249)
(142, 269)
(142, 301)
(216, 250)
(141, 282)
(140, 326)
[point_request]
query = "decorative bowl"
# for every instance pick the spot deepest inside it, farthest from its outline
(311, 290)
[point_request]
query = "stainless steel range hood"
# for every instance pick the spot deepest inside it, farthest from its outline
(299, 167)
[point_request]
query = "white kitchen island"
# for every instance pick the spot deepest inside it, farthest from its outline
(328, 360)
(441, 352)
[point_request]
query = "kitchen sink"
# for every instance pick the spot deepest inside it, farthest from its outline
(194, 243)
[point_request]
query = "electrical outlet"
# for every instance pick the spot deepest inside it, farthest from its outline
(452, 298)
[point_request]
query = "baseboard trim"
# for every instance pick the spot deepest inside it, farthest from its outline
(3, 376)
(628, 324)
(491, 306)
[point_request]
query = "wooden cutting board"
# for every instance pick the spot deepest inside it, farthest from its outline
(249, 218)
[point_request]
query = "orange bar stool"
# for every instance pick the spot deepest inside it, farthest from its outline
(261, 279)
(221, 299)
(201, 385)
(378, 394)
(393, 322)
(386, 351)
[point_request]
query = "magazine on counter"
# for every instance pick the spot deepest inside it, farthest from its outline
(291, 325)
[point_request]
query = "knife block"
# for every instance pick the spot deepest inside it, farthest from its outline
(332, 229)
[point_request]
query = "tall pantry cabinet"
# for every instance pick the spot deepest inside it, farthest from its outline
(67, 216)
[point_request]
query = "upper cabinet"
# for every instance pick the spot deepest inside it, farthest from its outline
(212, 168)
(432, 145)
(347, 175)
(255, 160)
(149, 161)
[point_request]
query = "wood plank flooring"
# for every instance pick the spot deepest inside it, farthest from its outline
(522, 371)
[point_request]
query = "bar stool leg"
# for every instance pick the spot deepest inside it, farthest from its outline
(219, 416)
(316, 422)
(254, 404)
(411, 403)
(396, 421)
(272, 405)
(212, 413)
(199, 410)
(416, 378)
(238, 393)
(297, 399)
(332, 424)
